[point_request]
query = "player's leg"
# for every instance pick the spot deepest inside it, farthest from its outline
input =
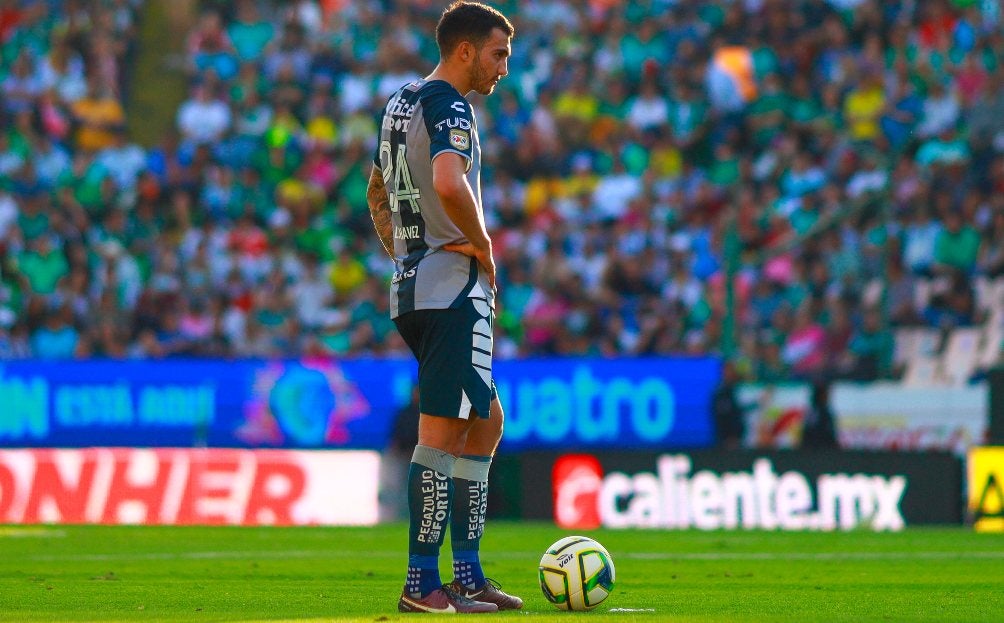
(470, 476)
(430, 489)
(442, 432)
(470, 504)
(470, 485)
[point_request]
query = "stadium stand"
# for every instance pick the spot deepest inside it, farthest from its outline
(856, 145)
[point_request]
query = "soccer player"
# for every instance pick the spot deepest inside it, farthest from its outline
(424, 197)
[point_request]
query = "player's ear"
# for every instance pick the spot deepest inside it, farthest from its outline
(465, 51)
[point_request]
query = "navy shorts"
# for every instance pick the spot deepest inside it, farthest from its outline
(454, 352)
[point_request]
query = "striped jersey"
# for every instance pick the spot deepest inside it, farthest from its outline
(422, 120)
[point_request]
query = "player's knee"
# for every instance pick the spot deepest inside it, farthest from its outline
(448, 435)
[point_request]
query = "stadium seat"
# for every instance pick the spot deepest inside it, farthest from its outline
(996, 318)
(990, 348)
(911, 343)
(922, 371)
(983, 289)
(959, 360)
(871, 296)
(922, 293)
(905, 345)
(996, 295)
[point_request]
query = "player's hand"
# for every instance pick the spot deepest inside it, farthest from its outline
(483, 257)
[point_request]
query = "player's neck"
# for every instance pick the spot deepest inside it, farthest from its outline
(456, 76)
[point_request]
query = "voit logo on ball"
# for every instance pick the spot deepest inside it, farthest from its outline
(672, 497)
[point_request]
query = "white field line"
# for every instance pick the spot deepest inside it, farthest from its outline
(922, 555)
(335, 554)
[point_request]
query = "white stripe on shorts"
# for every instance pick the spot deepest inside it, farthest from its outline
(465, 406)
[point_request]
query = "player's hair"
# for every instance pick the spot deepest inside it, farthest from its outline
(468, 21)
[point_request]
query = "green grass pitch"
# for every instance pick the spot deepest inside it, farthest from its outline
(98, 573)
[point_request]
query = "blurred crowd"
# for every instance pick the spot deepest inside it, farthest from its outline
(834, 153)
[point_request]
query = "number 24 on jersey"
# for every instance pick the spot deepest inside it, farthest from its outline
(402, 190)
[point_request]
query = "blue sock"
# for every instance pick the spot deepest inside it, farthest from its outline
(467, 569)
(423, 575)
(429, 491)
(467, 523)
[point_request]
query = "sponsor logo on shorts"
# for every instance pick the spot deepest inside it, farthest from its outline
(401, 276)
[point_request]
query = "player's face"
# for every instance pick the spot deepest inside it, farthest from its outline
(491, 63)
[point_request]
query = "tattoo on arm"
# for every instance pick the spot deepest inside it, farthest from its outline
(379, 203)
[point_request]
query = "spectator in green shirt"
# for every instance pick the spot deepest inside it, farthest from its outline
(769, 111)
(43, 265)
(957, 245)
(870, 350)
(250, 34)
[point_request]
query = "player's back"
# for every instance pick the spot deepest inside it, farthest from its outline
(421, 121)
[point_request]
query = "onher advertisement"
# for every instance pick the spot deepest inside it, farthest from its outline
(712, 490)
(549, 403)
(189, 486)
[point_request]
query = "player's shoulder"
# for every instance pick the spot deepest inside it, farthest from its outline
(439, 88)
(439, 94)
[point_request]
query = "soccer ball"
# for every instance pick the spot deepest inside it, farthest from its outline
(576, 573)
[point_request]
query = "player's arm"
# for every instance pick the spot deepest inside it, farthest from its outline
(449, 179)
(379, 203)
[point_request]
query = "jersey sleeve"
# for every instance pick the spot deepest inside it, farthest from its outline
(449, 121)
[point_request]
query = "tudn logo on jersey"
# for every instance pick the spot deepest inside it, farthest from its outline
(460, 139)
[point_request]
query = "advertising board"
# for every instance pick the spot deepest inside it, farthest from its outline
(888, 416)
(180, 403)
(873, 416)
(188, 486)
(599, 403)
(549, 403)
(985, 473)
(712, 490)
